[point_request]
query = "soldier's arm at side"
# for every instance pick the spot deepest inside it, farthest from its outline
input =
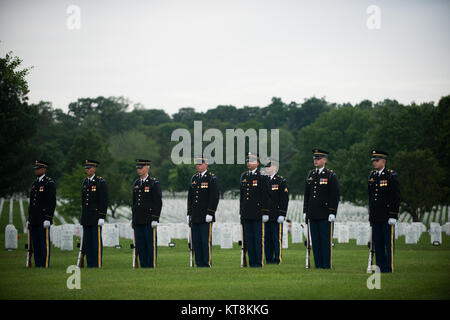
(284, 198)
(51, 200)
(394, 205)
(334, 194)
(103, 204)
(157, 201)
(213, 200)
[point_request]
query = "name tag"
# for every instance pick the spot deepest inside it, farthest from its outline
(255, 183)
(274, 187)
(323, 181)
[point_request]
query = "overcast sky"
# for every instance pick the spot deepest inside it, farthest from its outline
(170, 54)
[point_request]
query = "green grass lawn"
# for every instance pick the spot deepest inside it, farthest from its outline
(421, 272)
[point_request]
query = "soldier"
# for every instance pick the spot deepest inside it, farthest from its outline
(384, 201)
(320, 207)
(40, 213)
(94, 194)
(147, 204)
(203, 198)
(254, 210)
(279, 195)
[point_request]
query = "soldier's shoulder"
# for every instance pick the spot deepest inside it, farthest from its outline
(101, 179)
(331, 172)
(392, 172)
(154, 180)
(244, 174)
(49, 180)
(212, 175)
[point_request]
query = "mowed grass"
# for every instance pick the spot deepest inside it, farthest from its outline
(421, 272)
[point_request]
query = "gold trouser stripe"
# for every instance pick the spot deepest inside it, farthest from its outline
(280, 234)
(392, 248)
(209, 244)
(46, 241)
(99, 248)
(262, 244)
(154, 247)
(331, 244)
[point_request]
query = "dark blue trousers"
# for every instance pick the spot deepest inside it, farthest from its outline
(201, 239)
(146, 242)
(254, 237)
(384, 241)
(92, 240)
(273, 236)
(40, 238)
(321, 238)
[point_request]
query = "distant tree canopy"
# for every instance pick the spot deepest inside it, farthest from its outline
(115, 132)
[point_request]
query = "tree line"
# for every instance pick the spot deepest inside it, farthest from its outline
(115, 131)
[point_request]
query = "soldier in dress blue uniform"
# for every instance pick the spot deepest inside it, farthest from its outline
(384, 202)
(320, 208)
(254, 210)
(203, 198)
(40, 213)
(146, 210)
(278, 205)
(94, 201)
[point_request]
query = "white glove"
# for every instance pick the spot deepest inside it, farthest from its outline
(208, 218)
(188, 219)
(331, 218)
(46, 224)
(280, 219)
(265, 218)
(101, 222)
(392, 221)
(154, 224)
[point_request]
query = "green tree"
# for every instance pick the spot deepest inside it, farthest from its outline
(17, 126)
(420, 177)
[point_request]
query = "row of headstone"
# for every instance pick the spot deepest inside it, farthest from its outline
(446, 228)
(62, 236)
(2, 202)
(22, 216)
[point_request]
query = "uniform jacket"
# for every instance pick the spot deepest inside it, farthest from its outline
(321, 194)
(279, 197)
(203, 197)
(42, 201)
(147, 201)
(94, 199)
(255, 196)
(384, 195)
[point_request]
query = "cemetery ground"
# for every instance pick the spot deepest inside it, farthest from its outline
(421, 272)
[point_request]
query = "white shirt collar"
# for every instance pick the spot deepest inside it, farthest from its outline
(92, 178)
(41, 177)
(271, 177)
(379, 172)
(145, 178)
(320, 170)
(203, 173)
(253, 171)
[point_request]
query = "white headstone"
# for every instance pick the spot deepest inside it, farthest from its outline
(66, 239)
(182, 230)
(435, 233)
(216, 233)
(411, 234)
(237, 232)
(163, 234)
(297, 233)
(363, 236)
(285, 241)
(110, 235)
(10, 237)
(226, 237)
(446, 228)
(55, 235)
(343, 236)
